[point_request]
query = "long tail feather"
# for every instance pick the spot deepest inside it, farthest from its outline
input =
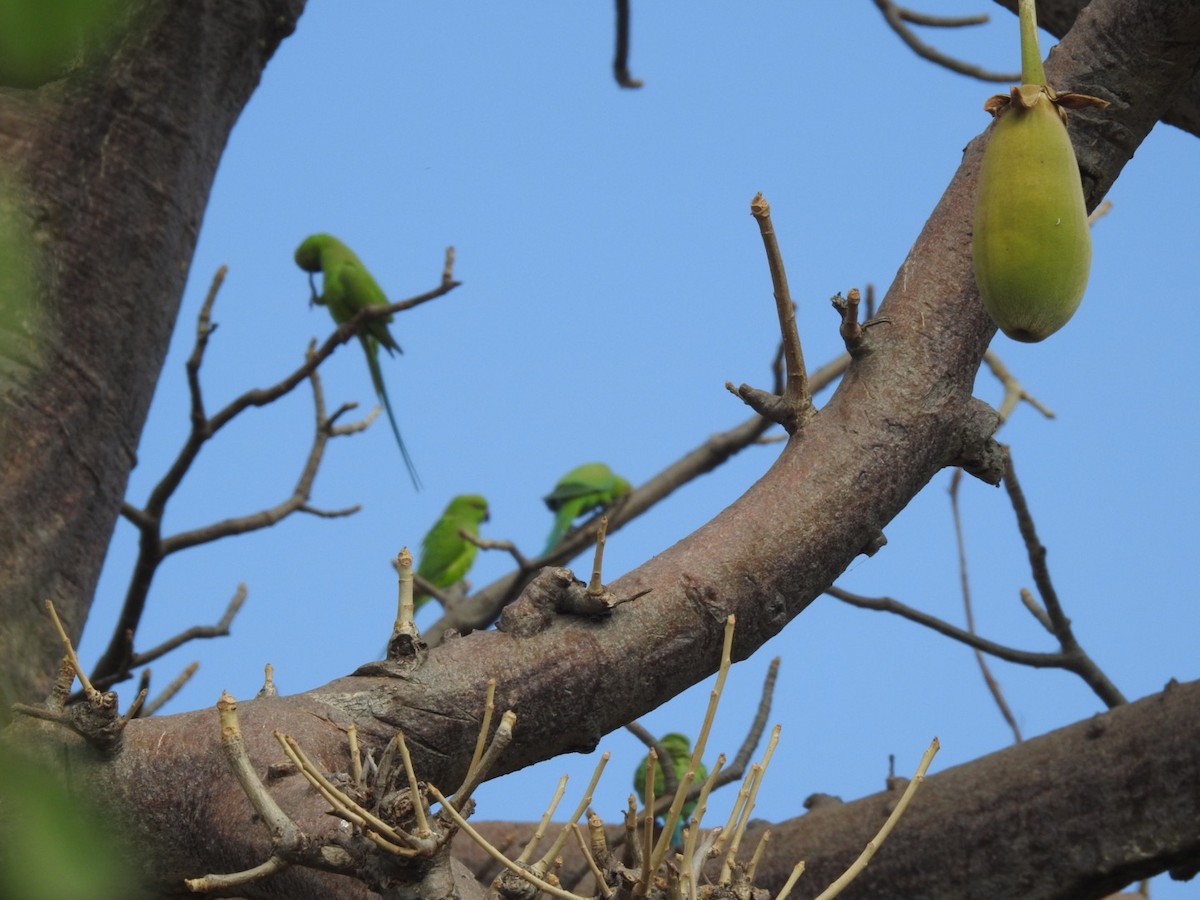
(371, 346)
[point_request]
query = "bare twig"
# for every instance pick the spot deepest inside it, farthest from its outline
(621, 56)
(918, 18)
(196, 632)
(873, 845)
(286, 835)
(1081, 663)
(754, 734)
(1036, 610)
(1070, 657)
(797, 871)
(681, 794)
(796, 376)
(1014, 391)
(475, 777)
(752, 784)
(586, 852)
(898, 20)
(547, 814)
(404, 644)
(69, 649)
(793, 407)
(596, 584)
(542, 866)
(296, 502)
(395, 841)
(499, 857)
(269, 688)
(1035, 660)
(170, 690)
(852, 331)
(1100, 212)
(97, 720)
(993, 685)
(489, 710)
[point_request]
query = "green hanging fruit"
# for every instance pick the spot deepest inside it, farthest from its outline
(1031, 245)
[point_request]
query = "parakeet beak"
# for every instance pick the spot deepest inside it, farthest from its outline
(312, 286)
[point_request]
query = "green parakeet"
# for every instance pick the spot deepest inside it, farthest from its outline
(680, 748)
(346, 288)
(446, 555)
(580, 491)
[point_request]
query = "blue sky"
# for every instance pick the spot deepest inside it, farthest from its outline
(613, 280)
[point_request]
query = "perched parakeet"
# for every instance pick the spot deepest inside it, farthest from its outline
(346, 288)
(446, 555)
(580, 491)
(680, 748)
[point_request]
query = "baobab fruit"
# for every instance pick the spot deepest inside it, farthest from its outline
(1032, 246)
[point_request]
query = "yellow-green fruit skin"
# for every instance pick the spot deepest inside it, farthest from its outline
(1031, 245)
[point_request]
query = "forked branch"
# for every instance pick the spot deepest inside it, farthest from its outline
(119, 657)
(899, 18)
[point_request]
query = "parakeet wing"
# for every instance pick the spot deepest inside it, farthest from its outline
(361, 290)
(590, 478)
(446, 556)
(581, 490)
(679, 746)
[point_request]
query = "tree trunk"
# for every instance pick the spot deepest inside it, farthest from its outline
(113, 163)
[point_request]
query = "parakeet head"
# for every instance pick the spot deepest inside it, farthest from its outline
(678, 745)
(468, 506)
(308, 254)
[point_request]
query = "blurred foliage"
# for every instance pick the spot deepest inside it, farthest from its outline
(41, 40)
(52, 845)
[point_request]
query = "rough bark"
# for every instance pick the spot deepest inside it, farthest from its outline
(903, 411)
(115, 162)
(1076, 813)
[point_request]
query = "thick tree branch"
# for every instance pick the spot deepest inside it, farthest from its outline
(1129, 779)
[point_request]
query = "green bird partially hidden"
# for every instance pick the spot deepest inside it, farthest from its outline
(680, 748)
(347, 287)
(446, 556)
(586, 488)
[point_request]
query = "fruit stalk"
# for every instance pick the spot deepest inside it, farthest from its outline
(1031, 56)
